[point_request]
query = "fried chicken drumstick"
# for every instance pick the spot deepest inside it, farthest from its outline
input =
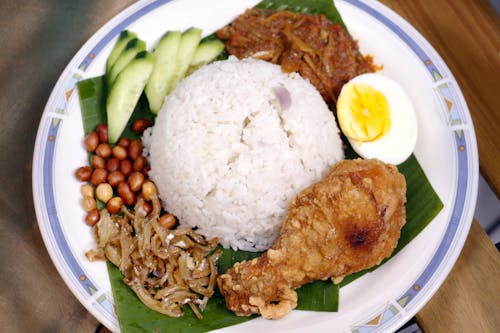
(347, 222)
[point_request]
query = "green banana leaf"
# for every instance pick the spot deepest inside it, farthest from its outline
(422, 206)
(325, 7)
(92, 95)
(136, 317)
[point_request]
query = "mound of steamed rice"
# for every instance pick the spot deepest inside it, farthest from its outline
(233, 143)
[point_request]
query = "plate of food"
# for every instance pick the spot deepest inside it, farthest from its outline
(255, 165)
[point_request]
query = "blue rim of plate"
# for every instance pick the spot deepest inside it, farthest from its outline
(397, 311)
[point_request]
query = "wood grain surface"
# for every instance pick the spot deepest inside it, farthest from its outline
(466, 34)
(469, 299)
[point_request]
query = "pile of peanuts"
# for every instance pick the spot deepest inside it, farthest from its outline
(117, 175)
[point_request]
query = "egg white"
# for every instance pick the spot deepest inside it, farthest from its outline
(399, 142)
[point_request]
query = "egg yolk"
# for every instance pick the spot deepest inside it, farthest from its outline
(363, 112)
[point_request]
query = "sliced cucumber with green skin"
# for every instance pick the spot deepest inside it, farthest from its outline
(124, 37)
(133, 47)
(187, 47)
(206, 52)
(165, 66)
(125, 93)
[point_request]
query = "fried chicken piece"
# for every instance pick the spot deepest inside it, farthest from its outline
(347, 222)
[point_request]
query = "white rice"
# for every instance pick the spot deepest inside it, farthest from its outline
(229, 149)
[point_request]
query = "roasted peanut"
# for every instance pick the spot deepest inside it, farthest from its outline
(87, 190)
(97, 162)
(126, 167)
(112, 164)
(114, 205)
(103, 150)
(167, 221)
(139, 163)
(91, 141)
(104, 192)
(115, 178)
(124, 142)
(140, 125)
(126, 193)
(89, 203)
(135, 180)
(135, 149)
(98, 176)
(83, 173)
(92, 217)
(119, 152)
(102, 132)
(148, 190)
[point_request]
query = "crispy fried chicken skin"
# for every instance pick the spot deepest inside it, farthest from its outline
(347, 222)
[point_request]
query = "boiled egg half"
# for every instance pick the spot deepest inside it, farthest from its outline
(378, 118)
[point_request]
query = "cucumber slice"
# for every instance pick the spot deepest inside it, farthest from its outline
(206, 52)
(125, 93)
(120, 44)
(133, 47)
(163, 71)
(187, 47)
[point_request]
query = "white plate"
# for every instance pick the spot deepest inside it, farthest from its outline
(379, 301)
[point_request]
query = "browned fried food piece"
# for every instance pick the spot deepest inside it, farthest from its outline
(347, 222)
(318, 49)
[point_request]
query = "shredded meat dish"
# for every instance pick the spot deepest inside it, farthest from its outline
(347, 222)
(318, 49)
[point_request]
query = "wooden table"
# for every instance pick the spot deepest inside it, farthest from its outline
(467, 36)
(37, 40)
